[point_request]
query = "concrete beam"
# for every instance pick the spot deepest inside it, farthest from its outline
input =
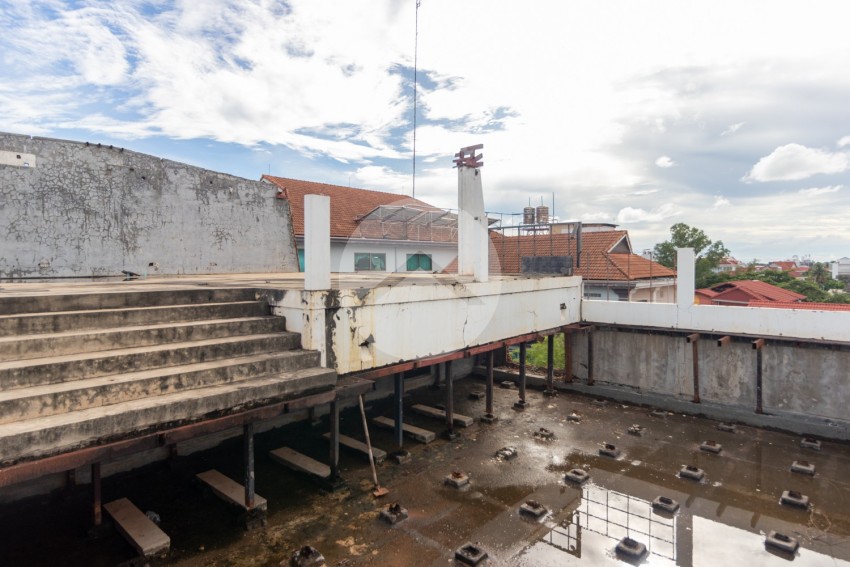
(317, 242)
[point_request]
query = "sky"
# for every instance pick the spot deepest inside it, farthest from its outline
(730, 116)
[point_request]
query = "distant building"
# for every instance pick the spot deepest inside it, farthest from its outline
(746, 293)
(840, 268)
(729, 265)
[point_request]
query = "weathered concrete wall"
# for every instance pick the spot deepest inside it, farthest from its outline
(361, 329)
(73, 209)
(808, 380)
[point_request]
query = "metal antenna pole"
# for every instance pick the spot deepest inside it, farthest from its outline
(415, 84)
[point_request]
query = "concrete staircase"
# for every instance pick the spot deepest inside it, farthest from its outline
(81, 369)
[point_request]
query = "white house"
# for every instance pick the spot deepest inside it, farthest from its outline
(373, 230)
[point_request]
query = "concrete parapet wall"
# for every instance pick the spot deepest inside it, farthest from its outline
(362, 329)
(75, 209)
(808, 380)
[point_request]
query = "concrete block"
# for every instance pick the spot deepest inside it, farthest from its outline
(781, 542)
(301, 463)
(394, 513)
(140, 531)
(665, 504)
(711, 447)
(609, 450)
(631, 548)
(507, 453)
(691, 472)
(416, 433)
(457, 419)
(533, 508)
(229, 490)
(457, 479)
(351, 443)
(577, 476)
(803, 467)
(794, 498)
(470, 554)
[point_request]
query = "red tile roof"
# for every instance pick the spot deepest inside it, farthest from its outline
(597, 261)
(349, 205)
(802, 305)
(784, 265)
(746, 291)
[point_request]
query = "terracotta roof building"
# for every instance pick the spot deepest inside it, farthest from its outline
(746, 292)
(609, 268)
(374, 230)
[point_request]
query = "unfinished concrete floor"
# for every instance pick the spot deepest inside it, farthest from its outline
(723, 520)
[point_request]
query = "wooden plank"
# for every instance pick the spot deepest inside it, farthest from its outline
(355, 445)
(302, 463)
(458, 419)
(417, 433)
(139, 530)
(229, 490)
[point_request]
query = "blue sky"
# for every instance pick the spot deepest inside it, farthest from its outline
(730, 116)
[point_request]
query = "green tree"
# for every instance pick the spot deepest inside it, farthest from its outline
(708, 254)
(819, 274)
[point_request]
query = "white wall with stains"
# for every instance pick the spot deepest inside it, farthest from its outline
(77, 209)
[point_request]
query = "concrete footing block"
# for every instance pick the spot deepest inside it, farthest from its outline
(544, 434)
(533, 509)
(457, 479)
(691, 472)
(803, 467)
(489, 418)
(630, 548)
(794, 498)
(635, 429)
(781, 542)
(711, 447)
(609, 450)
(810, 443)
(665, 504)
(577, 476)
(727, 427)
(470, 554)
(394, 513)
(307, 556)
(508, 453)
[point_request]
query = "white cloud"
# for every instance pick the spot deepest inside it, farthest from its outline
(644, 192)
(793, 162)
(844, 141)
(720, 201)
(596, 217)
(820, 190)
(630, 215)
(665, 162)
(732, 128)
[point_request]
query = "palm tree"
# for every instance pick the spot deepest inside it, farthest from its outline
(819, 273)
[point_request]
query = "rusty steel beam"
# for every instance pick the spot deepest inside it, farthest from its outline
(758, 345)
(568, 356)
(694, 340)
(724, 341)
(488, 412)
(97, 504)
(248, 462)
(590, 379)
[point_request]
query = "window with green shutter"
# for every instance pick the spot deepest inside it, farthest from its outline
(416, 262)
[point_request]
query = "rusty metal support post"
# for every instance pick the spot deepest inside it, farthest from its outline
(694, 340)
(398, 403)
(550, 366)
(97, 507)
(248, 460)
(520, 405)
(334, 416)
(488, 392)
(758, 345)
(590, 378)
(449, 433)
(568, 356)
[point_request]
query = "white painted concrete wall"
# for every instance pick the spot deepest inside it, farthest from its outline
(473, 238)
(361, 329)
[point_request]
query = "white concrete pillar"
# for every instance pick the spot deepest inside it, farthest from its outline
(685, 277)
(317, 242)
(473, 238)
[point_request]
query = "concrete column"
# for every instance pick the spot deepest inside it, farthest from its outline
(473, 241)
(449, 433)
(398, 402)
(317, 242)
(520, 405)
(488, 412)
(685, 277)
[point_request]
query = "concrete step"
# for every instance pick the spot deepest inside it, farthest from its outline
(51, 399)
(59, 433)
(436, 413)
(416, 433)
(296, 461)
(48, 302)
(137, 528)
(73, 342)
(351, 443)
(59, 322)
(229, 490)
(56, 369)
